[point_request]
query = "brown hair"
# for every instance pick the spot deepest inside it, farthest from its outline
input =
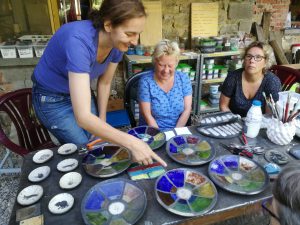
(116, 11)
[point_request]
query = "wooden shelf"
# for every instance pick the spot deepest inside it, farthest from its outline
(212, 81)
(19, 62)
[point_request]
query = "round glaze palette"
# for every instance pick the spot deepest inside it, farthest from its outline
(61, 203)
(114, 201)
(70, 180)
(67, 165)
(107, 161)
(39, 174)
(185, 192)
(238, 174)
(151, 135)
(190, 150)
(277, 157)
(42, 156)
(30, 195)
(67, 149)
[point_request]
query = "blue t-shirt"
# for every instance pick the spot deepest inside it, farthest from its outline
(239, 104)
(72, 48)
(166, 108)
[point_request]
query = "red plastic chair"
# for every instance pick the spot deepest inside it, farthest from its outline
(288, 76)
(32, 135)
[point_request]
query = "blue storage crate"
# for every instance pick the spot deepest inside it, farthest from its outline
(118, 118)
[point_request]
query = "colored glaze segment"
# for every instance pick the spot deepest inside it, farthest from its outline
(113, 190)
(164, 184)
(96, 218)
(177, 177)
(95, 201)
(199, 204)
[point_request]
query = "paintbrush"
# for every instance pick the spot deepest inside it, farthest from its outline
(296, 107)
(287, 105)
(294, 115)
(268, 103)
(278, 111)
(274, 106)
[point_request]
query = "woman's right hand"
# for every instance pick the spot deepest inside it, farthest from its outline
(142, 153)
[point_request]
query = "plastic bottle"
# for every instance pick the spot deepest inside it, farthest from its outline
(253, 119)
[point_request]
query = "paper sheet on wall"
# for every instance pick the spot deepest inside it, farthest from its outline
(152, 33)
(205, 19)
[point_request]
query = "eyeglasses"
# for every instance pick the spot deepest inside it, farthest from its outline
(257, 58)
(265, 206)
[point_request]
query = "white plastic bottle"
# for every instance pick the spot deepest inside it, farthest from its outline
(253, 119)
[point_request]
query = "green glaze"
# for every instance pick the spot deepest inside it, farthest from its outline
(200, 204)
(96, 218)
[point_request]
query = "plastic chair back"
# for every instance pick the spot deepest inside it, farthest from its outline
(32, 135)
(131, 88)
(288, 76)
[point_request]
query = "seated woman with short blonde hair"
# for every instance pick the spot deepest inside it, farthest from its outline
(164, 94)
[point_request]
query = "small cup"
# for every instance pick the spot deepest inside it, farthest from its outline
(213, 89)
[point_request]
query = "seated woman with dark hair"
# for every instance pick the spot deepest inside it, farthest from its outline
(165, 95)
(244, 85)
(285, 209)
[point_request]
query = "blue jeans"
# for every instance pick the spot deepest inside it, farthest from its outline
(55, 112)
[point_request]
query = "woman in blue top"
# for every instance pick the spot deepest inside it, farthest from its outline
(242, 86)
(165, 95)
(77, 53)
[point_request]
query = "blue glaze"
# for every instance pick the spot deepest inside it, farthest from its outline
(177, 177)
(113, 190)
(173, 148)
(131, 132)
(217, 167)
(192, 198)
(141, 130)
(179, 140)
(174, 196)
(164, 184)
(231, 162)
(94, 201)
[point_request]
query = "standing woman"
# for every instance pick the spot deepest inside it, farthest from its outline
(76, 54)
(244, 85)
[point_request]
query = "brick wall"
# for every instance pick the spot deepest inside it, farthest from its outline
(278, 8)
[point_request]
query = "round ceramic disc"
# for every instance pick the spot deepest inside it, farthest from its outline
(106, 161)
(185, 192)
(30, 195)
(70, 180)
(277, 157)
(152, 136)
(225, 130)
(67, 165)
(39, 174)
(67, 149)
(42, 156)
(61, 203)
(114, 201)
(238, 174)
(190, 150)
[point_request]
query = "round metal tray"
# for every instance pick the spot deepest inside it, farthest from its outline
(106, 161)
(238, 174)
(151, 135)
(114, 201)
(190, 150)
(186, 192)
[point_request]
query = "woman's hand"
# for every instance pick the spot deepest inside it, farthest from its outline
(143, 154)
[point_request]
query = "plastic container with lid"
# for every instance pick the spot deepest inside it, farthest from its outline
(295, 48)
(253, 119)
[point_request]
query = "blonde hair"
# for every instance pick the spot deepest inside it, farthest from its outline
(166, 47)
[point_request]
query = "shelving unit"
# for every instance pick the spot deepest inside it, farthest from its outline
(192, 59)
(201, 82)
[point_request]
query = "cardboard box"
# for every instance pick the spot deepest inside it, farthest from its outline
(115, 104)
